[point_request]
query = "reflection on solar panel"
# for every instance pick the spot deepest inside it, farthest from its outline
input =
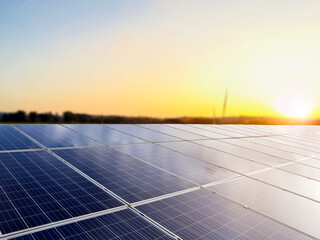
(143, 133)
(286, 207)
(204, 215)
(178, 163)
(53, 136)
(11, 139)
(129, 178)
(104, 134)
(159, 182)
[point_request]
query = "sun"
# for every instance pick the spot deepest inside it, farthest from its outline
(294, 105)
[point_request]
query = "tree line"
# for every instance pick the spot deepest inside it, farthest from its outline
(70, 117)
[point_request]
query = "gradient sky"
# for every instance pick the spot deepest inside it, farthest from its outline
(160, 58)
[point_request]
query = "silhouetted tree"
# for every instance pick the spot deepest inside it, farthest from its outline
(69, 117)
(33, 116)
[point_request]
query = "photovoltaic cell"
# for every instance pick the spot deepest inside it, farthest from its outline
(300, 143)
(237, 130)
(259, 157)
(308, 149)
(203, 215)
(173, 131)
(265, 149)
(143, 133)
(298, 212)
(124, 224)
(36, 188)
(285, 180)
(214, 129)
(124, 175)
(104, 134)
(312, 162)
(11, 139)
(192, 169)
(277, 145)
(213, 156)
(307, 171)
(53, 136)
(189, 128)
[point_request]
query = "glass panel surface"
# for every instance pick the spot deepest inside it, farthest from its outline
(53, 135)
(213, 156)
(203, 215)
(12, 139)
(192, 169)
(124, 224)
(286, 207)
(143, 133)
(259, 157)
(36, 188)
(173, 131)
(124, 175)
(104, 134)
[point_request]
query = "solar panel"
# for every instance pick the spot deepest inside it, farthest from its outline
(143, 133)
(11, 139)
(284, 147)
(213, 156)
(303, 170)
(214, 129)
(197, 131)
(36, 188)
(192, 181)
(173, 131)
(286, 207)
(192, 169)
(264, 149)
(242, 131)
(104, 134)
(311, 162)
(126, 176)
(243, 152)
(54, 136)
(305, 144)
(124, 224)
(291, 182)
(204, 215)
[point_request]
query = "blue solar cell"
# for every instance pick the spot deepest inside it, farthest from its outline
(36, 188)
(143, 133)
(11, 139)
(53, 136)
(119, 225)
(104, 134)
(177, 163)
(126, 176)
(204, 215)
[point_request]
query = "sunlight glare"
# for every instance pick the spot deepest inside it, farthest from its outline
(293, 105)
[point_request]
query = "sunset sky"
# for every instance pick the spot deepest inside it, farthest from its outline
(161, 58)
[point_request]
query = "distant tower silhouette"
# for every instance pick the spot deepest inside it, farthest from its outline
(225, 103)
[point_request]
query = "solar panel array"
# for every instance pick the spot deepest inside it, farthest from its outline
(159, 181)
